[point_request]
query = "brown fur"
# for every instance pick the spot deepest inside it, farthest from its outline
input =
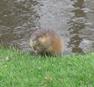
(46, 41)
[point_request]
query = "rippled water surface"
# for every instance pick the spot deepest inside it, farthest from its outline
(73, 19)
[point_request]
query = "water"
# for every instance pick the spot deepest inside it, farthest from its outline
(73, 19)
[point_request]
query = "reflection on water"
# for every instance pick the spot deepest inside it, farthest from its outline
(77, 24)
(17, 17)
(73, 19)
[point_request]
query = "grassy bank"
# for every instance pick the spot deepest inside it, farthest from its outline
(24, 70)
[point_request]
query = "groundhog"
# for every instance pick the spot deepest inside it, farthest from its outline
(46, 42)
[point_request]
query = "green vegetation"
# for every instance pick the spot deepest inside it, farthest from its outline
(19, 69)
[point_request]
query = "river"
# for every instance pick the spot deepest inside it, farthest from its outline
(73, 19)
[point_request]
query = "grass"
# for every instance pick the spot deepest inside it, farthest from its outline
(19, 69)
